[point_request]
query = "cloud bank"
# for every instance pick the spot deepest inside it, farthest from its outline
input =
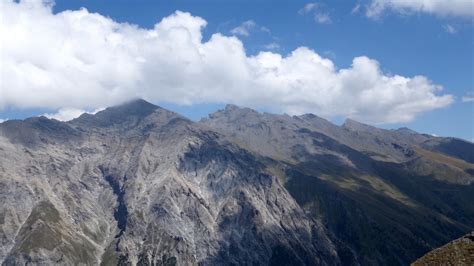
(66, 114)
(453, 8)
(82, 60)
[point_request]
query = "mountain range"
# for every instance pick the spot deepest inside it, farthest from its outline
(138, 184)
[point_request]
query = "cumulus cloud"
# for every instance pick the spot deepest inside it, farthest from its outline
(2, 120)
(82, 60)
(66, 114)
(457, 8)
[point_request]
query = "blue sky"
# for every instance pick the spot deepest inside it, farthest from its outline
(405, 42)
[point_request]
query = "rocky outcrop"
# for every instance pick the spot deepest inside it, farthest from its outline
(386, 196)
(139, 184)
(457, 252)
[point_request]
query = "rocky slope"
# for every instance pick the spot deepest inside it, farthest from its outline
(457, 252)
(387, 196)
(142, 185)
(137, 184)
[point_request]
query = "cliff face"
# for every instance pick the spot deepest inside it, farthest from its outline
(386, 196)
(136, 183)
(139, 184)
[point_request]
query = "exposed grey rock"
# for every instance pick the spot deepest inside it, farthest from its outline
(386, 196)
(139, 184)
(457, 252)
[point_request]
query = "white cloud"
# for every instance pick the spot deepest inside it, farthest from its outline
(272, 46)
(450, 29)
(2, 120)
(82, 60)
(308, 8)
(457, 8)
(244, 28)
(66, 114)
(247, 27)
(316, 10)
(355, 9)
(265, 29)
(322, 18)
(467, 99)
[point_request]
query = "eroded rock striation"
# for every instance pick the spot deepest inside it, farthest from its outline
(386, 196)
(138, 184)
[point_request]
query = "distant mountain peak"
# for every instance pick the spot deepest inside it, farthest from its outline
(308, 115)
(234, 111)
(312, 117)
(136, 105)
(127, 112)
(357, 126)
(231, 107)
(235, 108)
(406, 130)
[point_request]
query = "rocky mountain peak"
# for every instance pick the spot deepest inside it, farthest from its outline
(144, 186)
(138, 184)
(128, 113)
(137, 108)
(406, 130)
(231, 107)
(234, 112)
(35, 130)
(316, 121)
(354, 125)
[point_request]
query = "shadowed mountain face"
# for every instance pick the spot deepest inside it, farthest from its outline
(386, 196)
(139, 184)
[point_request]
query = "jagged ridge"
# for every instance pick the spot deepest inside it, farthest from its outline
(138, 184)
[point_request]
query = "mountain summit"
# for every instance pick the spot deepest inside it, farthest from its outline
(138, 184)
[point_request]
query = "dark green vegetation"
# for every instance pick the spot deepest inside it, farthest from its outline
(414, 215)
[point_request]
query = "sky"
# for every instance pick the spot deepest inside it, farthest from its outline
(391, 63)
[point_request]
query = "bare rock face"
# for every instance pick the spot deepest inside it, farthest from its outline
(137, 184)
(386, 196)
